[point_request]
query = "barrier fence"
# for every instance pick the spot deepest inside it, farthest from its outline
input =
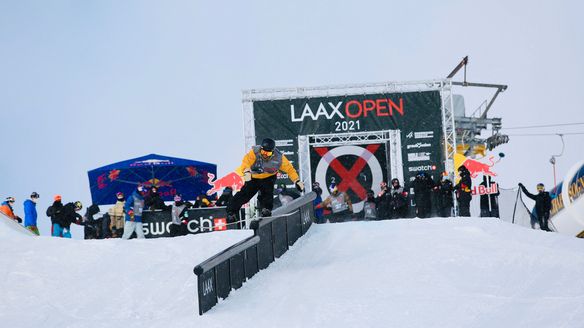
(157, 223)
(273, 236)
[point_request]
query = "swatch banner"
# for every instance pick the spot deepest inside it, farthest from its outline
(417, 115)
(157, 223)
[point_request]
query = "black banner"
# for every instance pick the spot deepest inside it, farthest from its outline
(417, 115)
(157, 223)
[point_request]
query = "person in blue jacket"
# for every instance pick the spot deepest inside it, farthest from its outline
(30, 213)
(318, 212)
(133, 209)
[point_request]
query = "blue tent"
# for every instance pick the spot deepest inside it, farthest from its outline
(171, 175)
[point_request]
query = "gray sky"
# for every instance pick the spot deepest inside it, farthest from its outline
(88, 83)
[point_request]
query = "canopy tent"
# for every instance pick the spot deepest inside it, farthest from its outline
(171, 175)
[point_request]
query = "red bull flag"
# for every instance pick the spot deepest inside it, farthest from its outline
(231, 180)
(170, 175)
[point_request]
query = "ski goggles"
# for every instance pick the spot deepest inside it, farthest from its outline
(266, 153)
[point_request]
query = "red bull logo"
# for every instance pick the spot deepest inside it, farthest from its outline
(157, 183)
(232, 180)
(474, 166)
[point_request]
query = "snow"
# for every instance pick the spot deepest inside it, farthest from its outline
(451, 272)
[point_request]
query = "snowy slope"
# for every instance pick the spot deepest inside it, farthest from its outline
(401, 273)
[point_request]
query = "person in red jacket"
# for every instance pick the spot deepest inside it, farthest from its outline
(6, 208)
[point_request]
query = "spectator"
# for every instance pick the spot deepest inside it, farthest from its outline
(445, 199)
(133, 209)
(489, 202)
(383, 201)
(463, 191)
(318, 212)
(30, 213)
(283, 195)
(339, 203)
(92, 227)
(55, 213)
(69, 215)
(153, 201)
(225, 197)
(398, 201)
(543, 204)
(202, 201)
(370, 206)
(116, 214)
(423, 185)
(7, 209)
(259, 169)
(178, 227)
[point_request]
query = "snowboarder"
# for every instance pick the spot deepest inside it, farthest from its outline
(399, 201)
(258, 169)
(339, 203)
(445, 199)
(7, 209)
(423, 185)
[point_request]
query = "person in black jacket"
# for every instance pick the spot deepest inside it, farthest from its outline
(225, 197)
(423, 185)
(54, 212)
(399, 201)
(70, 215)
(153, 201)
(383, 201)
(445, 199)
(543, 204)
(489, 202)
(463, 191)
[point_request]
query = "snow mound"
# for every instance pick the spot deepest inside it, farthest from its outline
(467, 272)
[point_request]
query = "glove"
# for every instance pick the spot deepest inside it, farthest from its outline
(299, 185)
(131, 214)
(247, 176)
(520, 184)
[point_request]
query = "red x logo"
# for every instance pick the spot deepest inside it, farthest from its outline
(349, 177)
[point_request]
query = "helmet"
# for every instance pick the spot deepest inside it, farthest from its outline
(268, 144)
(34, 195)
(333, 187)
(57, 198)
(78, 205)
(119, 194)
(10, 199)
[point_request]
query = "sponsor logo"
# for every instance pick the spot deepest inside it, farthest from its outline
(422, 168)
(482, 190)
(418, 145)
(409, 135)
(220, 224)
(351, 109)
(418, 157)
(475, 167)
(207, 286)
(152, 162)
(284, 143)
(424, 135)
(232, 180)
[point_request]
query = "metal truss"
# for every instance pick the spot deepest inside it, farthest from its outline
(341, 90)
(349, 138)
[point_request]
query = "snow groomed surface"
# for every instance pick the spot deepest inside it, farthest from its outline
(403, 273)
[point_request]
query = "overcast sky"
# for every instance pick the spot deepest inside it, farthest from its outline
(88, 83)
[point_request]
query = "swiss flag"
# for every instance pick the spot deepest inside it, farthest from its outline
(219, 224)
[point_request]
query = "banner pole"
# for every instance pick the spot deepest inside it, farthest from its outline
(515, 206)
